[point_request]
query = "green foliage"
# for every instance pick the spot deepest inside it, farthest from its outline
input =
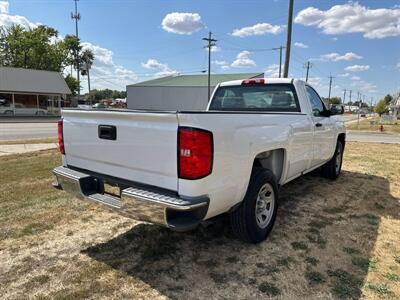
(106, 94)
(336, 100)
(73, 84)
(87, 58)
(41, 48)
(314, 277)
(364, 263)
(388, 98)
(381, 107)
(345, 285)
(269, 289)
(380, 289)
(299, 246)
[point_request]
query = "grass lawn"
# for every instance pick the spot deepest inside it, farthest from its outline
(332, 239)
(365, 126)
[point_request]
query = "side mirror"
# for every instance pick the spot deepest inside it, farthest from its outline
(336, 109)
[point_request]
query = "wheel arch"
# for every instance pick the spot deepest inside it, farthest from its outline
(272, 160)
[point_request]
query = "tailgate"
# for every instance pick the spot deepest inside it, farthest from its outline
(144, 149)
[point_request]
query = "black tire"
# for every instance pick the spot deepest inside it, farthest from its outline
(243, 219)
(333, 167)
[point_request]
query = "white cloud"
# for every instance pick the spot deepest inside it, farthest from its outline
(355, 78)
(105, 73)
(182, 23)
(7, 20)
(300, 45)
(364, 86)
(258, 29)
(219, 62)
(243, 60)
(225, 67)
(163, 69)
(353, 17)
(213, 49)
(398, 66)
(357, 68)
(273, 71)
(344, 75)
(337, 57)
(4, 7)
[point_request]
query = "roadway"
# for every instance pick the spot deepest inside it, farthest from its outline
(24, 131)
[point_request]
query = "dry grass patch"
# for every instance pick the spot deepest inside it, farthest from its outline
(29, 141)
(332, 239)
(365, 125)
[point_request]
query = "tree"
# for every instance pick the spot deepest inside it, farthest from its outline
(73, 84)
(381, 107)
(98, 95)
(336, 100)
(41, 48)
(87, 58)
(388, 98)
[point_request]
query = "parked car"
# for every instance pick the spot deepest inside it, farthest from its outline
(98, 105)
(181, 168)
(21, 109)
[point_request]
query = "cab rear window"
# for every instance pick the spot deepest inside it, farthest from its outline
(265, 97)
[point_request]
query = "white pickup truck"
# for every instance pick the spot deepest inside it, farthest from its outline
(181, 168)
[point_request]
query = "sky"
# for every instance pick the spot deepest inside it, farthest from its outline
(358, 43)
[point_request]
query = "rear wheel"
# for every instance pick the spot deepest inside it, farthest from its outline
(253, 220)
(333, 167)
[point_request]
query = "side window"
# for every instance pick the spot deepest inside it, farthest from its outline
(316, 103)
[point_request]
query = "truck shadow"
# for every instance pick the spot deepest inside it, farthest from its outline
(324, 237)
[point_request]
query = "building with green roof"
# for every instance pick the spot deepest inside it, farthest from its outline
(178, 92)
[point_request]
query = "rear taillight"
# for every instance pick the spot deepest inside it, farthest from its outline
(253, 81)
(61, 137)
(195, 153)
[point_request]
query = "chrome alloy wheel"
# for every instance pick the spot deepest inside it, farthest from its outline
(265, 205)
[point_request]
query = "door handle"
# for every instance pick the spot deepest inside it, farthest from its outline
(318, 125)
(107, 132)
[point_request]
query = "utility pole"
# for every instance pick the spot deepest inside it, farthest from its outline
(359, 107)
(77, 17)
(211, 43)
(344, 96)
(370, 106)
(280, 59)
(330, 87)
(350, 96)
(308, 65)
(288, 39)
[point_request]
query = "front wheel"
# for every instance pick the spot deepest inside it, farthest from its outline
(333, 167)
(253, 220)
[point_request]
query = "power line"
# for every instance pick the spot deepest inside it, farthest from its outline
(211, 43)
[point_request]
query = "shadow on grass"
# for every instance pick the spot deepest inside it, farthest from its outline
(322, 243)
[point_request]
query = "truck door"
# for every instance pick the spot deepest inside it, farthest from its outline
(324, 133)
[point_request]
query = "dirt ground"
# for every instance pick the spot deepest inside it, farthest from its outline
(332, 240)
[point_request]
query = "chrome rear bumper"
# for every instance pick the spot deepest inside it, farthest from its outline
(144, 204)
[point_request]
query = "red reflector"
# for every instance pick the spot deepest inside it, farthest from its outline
(253, 81)
(61, 137)
(195, 153)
